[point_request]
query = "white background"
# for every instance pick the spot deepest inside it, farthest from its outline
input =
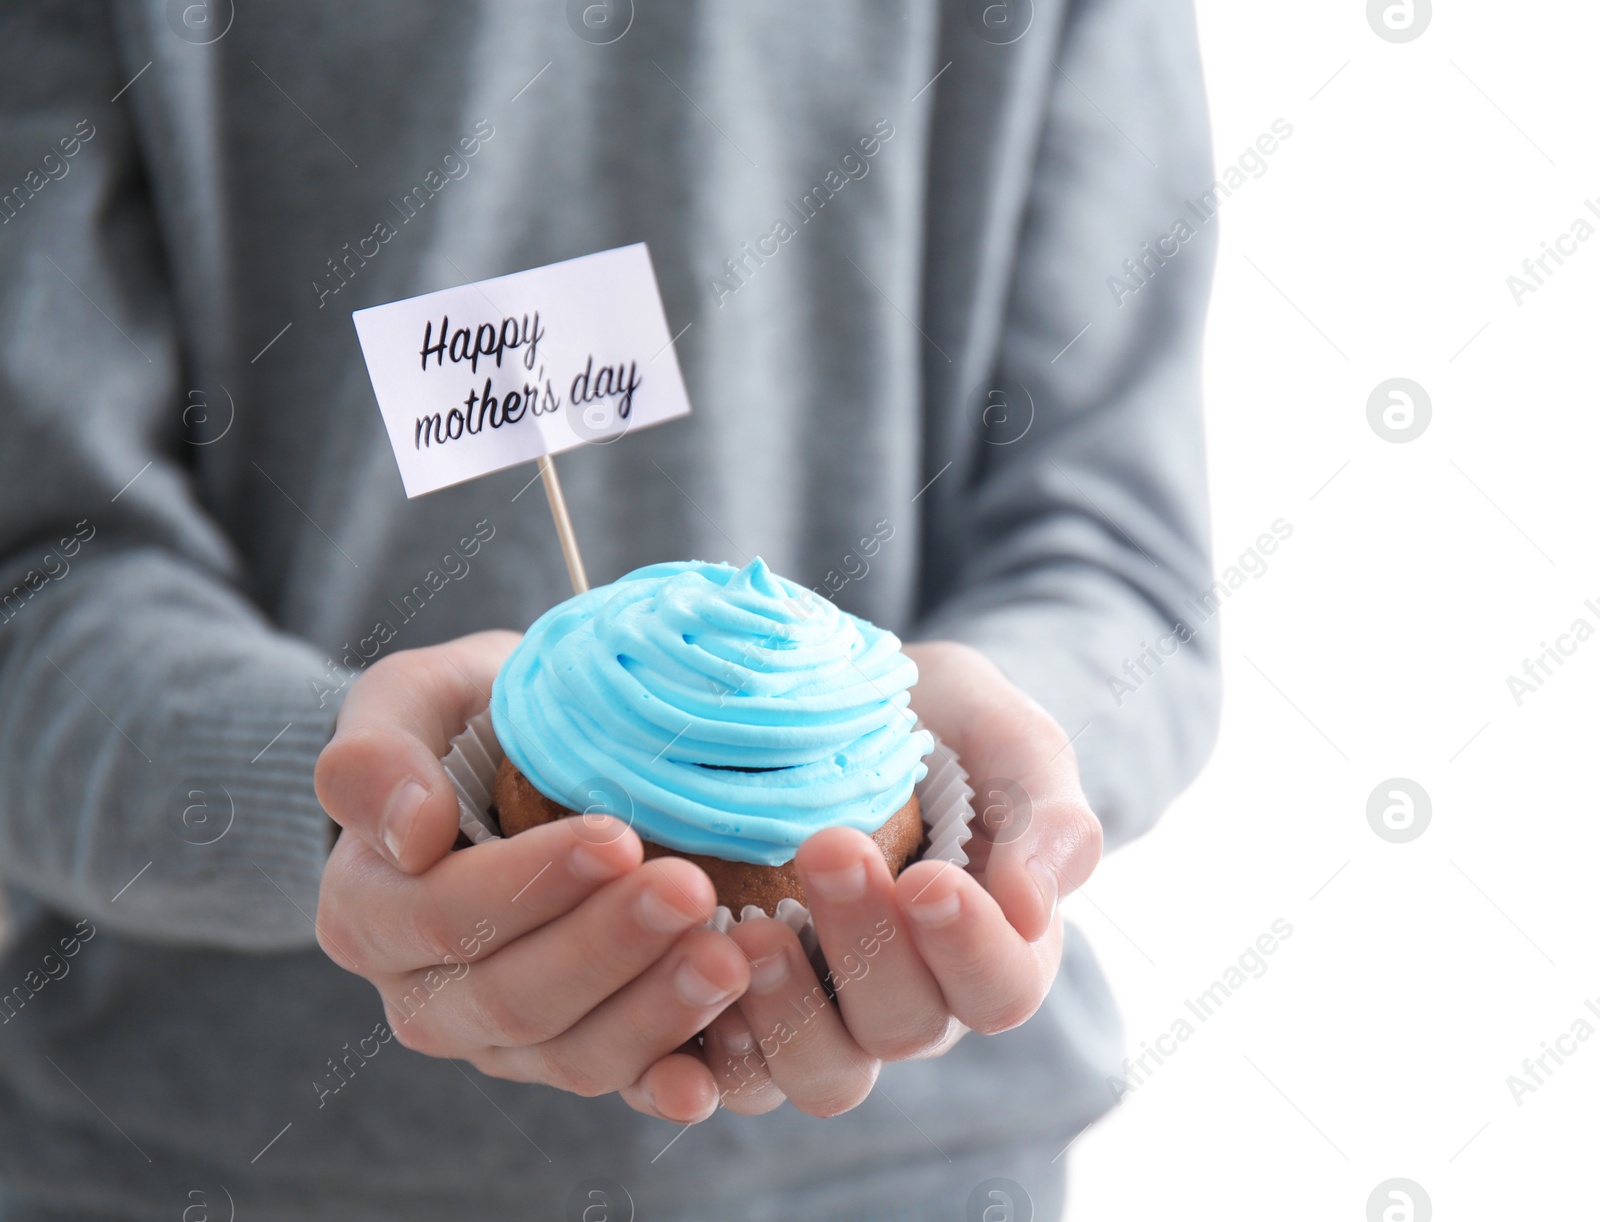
(1419, 576)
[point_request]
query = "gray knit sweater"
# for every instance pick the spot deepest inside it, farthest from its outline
(203, 536)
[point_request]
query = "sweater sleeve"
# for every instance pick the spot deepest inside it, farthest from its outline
(157, 733)
(1070, 535)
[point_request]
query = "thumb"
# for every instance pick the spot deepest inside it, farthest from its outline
(1044, 845)
(380, 777)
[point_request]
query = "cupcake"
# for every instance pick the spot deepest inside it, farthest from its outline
(725, 714)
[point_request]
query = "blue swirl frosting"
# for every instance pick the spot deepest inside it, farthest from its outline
(737, 711)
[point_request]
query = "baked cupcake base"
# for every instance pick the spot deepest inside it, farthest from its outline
(518, 806)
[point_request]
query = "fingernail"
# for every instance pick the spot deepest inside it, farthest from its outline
(649, 1094)
(661, 917)
(839, 886)
(740, 1041)
(708, 1110)
(696, 989)
(768, 972)
(1044, 878)
(589, 866)
(931, 914)
(400, 814)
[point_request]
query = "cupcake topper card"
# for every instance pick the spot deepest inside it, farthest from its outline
(518, 368)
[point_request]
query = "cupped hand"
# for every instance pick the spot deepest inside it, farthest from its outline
(553, 956)
(918, 961)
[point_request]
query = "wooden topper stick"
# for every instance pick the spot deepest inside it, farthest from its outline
(558, 510)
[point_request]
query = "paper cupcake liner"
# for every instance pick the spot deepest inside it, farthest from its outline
(944, 795)
(474, 757)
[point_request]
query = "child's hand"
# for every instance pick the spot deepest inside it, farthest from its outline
(553, 956)
(920, 959)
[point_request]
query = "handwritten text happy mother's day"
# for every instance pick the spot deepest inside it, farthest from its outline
(491, 410)
(558, 360)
